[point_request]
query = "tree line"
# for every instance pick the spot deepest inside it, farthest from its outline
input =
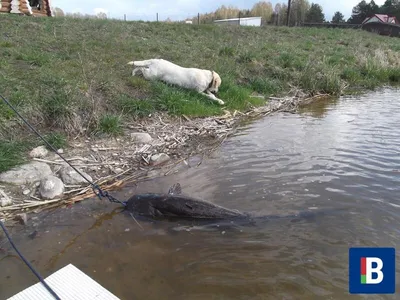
(301, 11)
(363, 10)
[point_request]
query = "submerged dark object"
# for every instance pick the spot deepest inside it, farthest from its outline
(173, 204)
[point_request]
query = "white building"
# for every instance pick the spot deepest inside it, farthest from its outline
(251, 21)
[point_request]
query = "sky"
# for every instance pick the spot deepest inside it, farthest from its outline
(181, 9)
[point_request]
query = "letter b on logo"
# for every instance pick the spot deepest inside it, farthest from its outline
(373, 266)
(376, 269)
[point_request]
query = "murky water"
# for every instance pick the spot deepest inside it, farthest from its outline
(340, 156)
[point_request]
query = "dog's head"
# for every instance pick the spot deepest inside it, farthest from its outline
(215, 82)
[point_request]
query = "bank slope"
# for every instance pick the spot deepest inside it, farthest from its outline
(70, 77)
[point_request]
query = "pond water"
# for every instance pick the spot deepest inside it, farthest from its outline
(339, 156)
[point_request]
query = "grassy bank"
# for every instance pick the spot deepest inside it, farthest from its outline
(69, 77)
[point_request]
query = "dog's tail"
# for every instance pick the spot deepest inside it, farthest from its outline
(140, 63)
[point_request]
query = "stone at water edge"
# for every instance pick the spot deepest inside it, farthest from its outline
(39, 152)
(51, 187)
(141, 137)
(26, 174)
(21, 218)
(158, 159)
(70, 176)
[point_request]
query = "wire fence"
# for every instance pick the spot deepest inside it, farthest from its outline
(157, 17)
(199, 19)
(244, 20)
(193, 19)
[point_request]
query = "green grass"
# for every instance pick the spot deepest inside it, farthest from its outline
(12, 153)
(71, 75)
(110, 125)
(56, 140)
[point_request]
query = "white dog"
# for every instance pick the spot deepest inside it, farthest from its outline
(205, 82)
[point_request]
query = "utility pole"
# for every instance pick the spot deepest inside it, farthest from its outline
(288, 12)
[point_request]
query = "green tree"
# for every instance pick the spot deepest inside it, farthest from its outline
(391, 8)
(363, 10)
(338, 18)
(372, 9)
(358, 13)
(315, 14)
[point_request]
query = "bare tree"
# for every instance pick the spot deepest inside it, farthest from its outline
(262, 9)
(58, 12)
(101, 15)
(298, 11)
(288, 12)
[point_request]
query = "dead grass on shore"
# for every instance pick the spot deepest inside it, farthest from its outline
(180, 137)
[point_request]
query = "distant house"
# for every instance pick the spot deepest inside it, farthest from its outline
(189, 22)
(27, 7)
(251, 21)
(381, 19)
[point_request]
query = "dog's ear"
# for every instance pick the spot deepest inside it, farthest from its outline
(212, 83)
(215, 82)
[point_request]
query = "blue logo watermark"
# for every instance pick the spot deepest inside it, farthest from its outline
(372, 270)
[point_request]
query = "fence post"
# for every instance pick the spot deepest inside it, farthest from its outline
(157, 17)
(239, 17)
(124, 17)
(198, 18)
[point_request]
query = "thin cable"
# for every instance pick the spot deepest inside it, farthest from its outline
(47, 143)
(98, 191)
(27, 263)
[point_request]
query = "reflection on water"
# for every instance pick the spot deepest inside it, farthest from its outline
(320, 107)
(341, 157)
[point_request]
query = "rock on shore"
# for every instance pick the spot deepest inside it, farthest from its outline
(26, 174)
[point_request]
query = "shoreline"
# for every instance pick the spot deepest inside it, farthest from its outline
(114, 162)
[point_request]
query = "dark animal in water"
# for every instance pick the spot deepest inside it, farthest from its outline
(175, 206)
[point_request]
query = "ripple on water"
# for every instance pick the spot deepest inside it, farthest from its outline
(341, 158)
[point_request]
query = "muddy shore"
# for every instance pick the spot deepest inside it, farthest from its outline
(159, 146)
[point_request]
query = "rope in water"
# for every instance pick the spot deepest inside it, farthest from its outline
(97, 190)
(27, 262)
